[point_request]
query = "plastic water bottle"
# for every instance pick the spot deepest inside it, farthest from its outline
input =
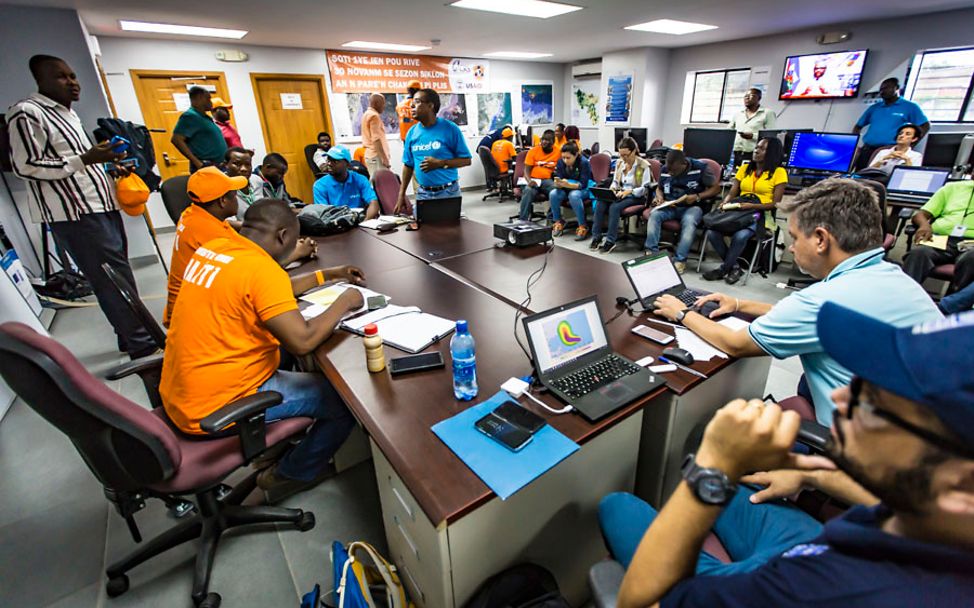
(729, 170)
(464, 356)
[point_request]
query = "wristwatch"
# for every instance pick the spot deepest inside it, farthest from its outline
(682, 315)
(710, 486)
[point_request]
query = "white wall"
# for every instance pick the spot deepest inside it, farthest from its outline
(649, 67)
(891, 43)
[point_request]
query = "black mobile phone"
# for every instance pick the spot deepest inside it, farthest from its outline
(655, 335)
(376, 302)
(522, 417)
(503, 432)
(415, 363)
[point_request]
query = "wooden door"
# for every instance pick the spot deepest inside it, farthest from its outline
(292, 112)
(163, 96)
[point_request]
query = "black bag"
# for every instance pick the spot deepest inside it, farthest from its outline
(141, 147)
(322, 220)
(521, 586)
(729, 222)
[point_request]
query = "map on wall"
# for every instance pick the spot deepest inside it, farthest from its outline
(358, 103)
(537, 107)
(585, 102)
(493, 111)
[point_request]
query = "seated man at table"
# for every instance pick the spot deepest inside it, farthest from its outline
(902, 449)
(539, 167)
(687, 181)
(236, 308)
(836, 228)
(268, 179)
(339, 186)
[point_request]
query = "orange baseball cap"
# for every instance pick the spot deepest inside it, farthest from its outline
(209, 184)
(219, 103)
(414, 84)
(507, 132)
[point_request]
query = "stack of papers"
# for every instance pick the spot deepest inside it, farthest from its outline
(384, 219)
(697, 346)
(404, 327)
(321, 299)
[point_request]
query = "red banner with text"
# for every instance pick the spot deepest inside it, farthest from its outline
(381, 73)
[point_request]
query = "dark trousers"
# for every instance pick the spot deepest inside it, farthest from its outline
(94, 239)
(865, 153)
(922, 260)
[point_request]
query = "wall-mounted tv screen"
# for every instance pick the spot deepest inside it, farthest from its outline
(822, 76)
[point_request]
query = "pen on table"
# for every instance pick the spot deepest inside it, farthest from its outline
(683, 367)
(663, 323)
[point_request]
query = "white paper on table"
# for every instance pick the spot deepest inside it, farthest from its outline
(374, 224)
(325, 297)
(735, 324)
(313, 311)
(697, 346)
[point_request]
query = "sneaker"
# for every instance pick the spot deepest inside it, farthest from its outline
(277, 487)
(581, 233)
(681, 267)
(607, 247)
(715, 274)
(733, 276)
(558, 228)
(594, 245)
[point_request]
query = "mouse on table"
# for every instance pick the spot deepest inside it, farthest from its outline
(678, 355)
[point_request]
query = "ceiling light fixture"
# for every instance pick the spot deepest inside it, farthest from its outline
(523, 8)
(385, 46)
(670, 26)
(516, 55)
(182, 30)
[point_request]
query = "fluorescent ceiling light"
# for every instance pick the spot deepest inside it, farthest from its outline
(385, 46)
(516, 55)
(523, 8)
(671, 26)
(182, 30)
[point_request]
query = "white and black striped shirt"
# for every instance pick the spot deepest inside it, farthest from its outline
(46, 144)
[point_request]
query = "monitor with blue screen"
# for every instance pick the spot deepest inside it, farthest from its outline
(831, 152)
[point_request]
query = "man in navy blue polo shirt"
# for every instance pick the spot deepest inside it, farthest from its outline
(905, 436)
(884, 120)
(339, 186)
(683, 184)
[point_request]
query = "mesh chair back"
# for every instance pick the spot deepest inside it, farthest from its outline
(125, 445)
(600, 163)
(174, 196)
(386, 185)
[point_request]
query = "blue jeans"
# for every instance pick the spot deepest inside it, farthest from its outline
(529, 193)
(730, 254)
(452, 192)
(576, 198)
(615, 212)
(959, 301)
(311, 395)
(689, 217)
(752, 534)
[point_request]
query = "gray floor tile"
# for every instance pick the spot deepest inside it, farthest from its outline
(87, 597)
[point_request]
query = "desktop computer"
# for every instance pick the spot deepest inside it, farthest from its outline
(715, 144)
(639, 134)
(785, 136)
(951, 151)
(822, 152)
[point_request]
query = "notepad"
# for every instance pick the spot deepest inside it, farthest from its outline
(505, 472)
(374, 224)
(937, 241)
(321, 299)
(404, 327)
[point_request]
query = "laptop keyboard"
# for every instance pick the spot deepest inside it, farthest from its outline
(688, 297)
(595, 375)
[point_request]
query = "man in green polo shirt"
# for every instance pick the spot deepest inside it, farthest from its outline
(950, 213)
(196, 136)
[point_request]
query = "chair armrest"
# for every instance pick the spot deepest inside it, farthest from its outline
(240, 410)
(605, 579)
(138, 366)
(814, 435)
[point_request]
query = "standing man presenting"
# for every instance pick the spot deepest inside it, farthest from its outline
(69, 190)
(433, 151)
(748, 122)
(374, 135)
(196, 136)
(884, 120)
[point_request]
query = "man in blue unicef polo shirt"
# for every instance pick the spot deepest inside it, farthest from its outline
(902, 448)
(884, 120)
(434, 149)
(339, 186)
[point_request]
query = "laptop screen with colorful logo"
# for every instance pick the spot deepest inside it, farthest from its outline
(566, 335)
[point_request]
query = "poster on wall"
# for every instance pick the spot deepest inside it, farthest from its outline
(585, 102)
(537, 107)
(388, 73)
(358, 103)
(618, 99)
(493, 112)
(453, 107)
(469, 75)
(760, 78)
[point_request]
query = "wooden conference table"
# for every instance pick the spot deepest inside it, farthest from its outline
(447, 532)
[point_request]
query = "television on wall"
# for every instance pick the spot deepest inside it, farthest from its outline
(822, 75)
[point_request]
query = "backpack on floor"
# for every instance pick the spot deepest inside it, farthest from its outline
(362, 579)
(521, 586)
(322, 220)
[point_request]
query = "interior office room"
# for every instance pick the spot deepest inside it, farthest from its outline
(441, 303)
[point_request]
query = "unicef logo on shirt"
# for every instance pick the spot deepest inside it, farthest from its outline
(436, 145)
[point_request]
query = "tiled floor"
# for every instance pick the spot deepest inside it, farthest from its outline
(57, 531)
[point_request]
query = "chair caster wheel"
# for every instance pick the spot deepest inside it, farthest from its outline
(306, 522)
(212, 600)
(116, 586)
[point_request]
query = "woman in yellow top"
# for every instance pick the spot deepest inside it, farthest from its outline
(763, 177)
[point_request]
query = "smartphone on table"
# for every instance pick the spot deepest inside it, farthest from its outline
(503, 432)
(655, 335)
(520, 416)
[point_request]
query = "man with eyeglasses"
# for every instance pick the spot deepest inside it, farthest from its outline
(902, 449)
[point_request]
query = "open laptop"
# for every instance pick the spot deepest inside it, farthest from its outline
(573, 360)
(431, 211)
(604, 194)
(915, 184)
(654, 275)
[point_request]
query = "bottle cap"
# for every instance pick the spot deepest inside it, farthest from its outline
(371, 329)
(462, 326)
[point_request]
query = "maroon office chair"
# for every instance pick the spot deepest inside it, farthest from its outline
(601, 164)
(136, 454)
(386, 185)
(673, 226)
(640, 209)
(519, 189)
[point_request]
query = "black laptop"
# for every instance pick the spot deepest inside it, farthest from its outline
(654, 275)
(573, 360)
(604, 194)
(435, 210)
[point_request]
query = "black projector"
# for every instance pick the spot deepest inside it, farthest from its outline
(522, 233)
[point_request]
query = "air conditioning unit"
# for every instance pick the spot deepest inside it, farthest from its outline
(587, 69)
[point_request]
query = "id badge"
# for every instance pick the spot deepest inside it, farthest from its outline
(959, 230)
(666, 188)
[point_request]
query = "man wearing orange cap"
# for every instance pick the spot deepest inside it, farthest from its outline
(221, 116)
(503, 149)
(405, 109)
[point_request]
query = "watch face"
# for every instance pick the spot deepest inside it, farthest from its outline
(711, 489)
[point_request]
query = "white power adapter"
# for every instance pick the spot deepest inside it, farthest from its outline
(515, 387)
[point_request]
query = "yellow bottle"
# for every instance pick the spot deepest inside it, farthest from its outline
(375, 358)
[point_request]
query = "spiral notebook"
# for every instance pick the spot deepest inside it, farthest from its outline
(404, 327)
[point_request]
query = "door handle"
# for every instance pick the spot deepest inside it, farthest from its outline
(165, 158)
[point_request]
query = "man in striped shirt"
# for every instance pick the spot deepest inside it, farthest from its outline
(70, 191)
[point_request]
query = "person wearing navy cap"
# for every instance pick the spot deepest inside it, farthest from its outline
(339, 186)
(902, 448)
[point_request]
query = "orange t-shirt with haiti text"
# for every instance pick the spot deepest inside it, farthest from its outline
(542, 164)
(218, 348)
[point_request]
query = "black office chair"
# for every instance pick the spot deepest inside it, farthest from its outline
(137, 454)
(309, 156)
(504, 182)
(174, 196)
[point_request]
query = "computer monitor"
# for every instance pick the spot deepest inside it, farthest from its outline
(785, 136)
(942, 149)
(832, 152)
(916, 181)
(639, 134)
(715, 144)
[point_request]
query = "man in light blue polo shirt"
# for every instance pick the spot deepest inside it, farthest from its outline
(884, 120)
(836, 231)
(339, 186)
(434, 149)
